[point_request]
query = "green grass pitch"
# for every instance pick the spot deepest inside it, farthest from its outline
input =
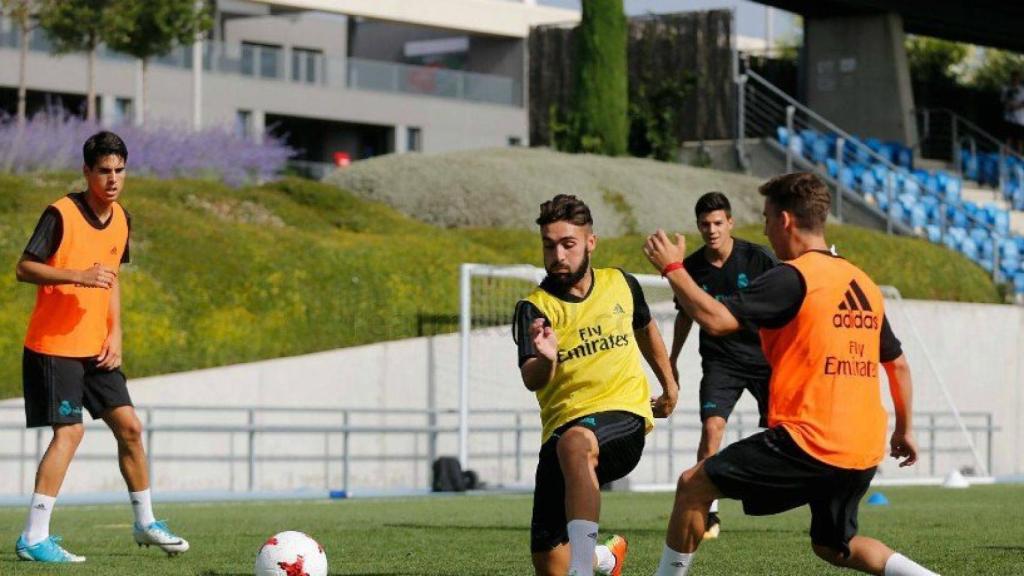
(974, 531)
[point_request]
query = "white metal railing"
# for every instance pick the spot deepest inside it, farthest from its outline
(669, 449)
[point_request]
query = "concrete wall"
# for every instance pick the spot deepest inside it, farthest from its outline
(857, 75)
(977, 350)
(486, 55)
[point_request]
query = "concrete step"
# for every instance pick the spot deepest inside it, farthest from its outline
(930, 164)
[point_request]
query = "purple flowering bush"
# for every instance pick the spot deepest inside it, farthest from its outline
(53, 142)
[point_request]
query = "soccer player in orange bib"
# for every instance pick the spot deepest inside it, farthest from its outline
(72, 354)
(824, 332)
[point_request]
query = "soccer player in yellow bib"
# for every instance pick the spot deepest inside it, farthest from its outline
(581, 335)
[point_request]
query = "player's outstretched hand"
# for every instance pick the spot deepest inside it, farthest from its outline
(661, 251)
(664, 405)
(903, 446)
(97, 277)
(544, 340)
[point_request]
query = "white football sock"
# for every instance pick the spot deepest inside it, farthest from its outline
(582, 542)
(900, 565)
(674, 563)
(605, 559)
(37, 527)
(142, 506)
(714, 506)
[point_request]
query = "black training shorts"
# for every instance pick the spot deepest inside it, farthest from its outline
(721, 389)
(620, 440)
(771, 474)
(57, 388)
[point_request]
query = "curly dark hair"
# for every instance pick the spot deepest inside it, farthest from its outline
(565, 208)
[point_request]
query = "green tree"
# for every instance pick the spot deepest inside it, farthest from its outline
(996, 69)
(23, 14)
(77, 26)
(600, 112)
(147, 29)
(935, 60)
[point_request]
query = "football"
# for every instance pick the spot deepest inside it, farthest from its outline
(291, 554)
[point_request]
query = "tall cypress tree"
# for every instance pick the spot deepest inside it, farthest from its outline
(601, 97)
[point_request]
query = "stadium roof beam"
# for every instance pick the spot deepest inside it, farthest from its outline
(492, 17)
(995, 23)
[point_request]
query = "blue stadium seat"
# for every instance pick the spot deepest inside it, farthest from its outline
(934, 233)
(969, 248)
(1018, 283)
(918, 217)
(831, 167)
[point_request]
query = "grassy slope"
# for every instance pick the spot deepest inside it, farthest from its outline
(955, 532)
(501, 188)
(222, 276)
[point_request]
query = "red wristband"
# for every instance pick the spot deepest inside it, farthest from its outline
(672, 267)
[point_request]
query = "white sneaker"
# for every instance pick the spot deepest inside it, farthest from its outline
(157, 534)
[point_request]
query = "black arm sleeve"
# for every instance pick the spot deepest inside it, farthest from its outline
(641, 312)
(47, 236)
(771, 300)
(525, 314)
(765, 259)
(890, 347)
(125, 257)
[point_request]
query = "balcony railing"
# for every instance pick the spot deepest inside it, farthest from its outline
(274, 63)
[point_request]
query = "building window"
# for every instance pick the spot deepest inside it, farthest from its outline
(413, 140)
(263, 60)
(515, 141)
(243, 124)
(306, 65)
(122, 111)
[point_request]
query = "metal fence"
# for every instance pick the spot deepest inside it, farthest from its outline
(505, 442)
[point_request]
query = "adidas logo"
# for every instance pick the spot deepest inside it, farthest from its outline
(40, 506)
(855, 310)
(592, 535)
(618, 310)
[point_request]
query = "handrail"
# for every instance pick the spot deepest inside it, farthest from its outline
(978, 129)
(854, 142)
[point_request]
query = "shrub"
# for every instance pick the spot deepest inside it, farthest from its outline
(53, 142)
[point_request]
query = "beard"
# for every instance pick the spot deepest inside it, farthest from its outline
(565, 280)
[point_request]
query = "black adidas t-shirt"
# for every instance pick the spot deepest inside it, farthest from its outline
(526, 313)
(774, 299)
(738, 353)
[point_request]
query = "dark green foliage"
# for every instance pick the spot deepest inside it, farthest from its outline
(146, 29)
(654, 116)
(600, 119)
